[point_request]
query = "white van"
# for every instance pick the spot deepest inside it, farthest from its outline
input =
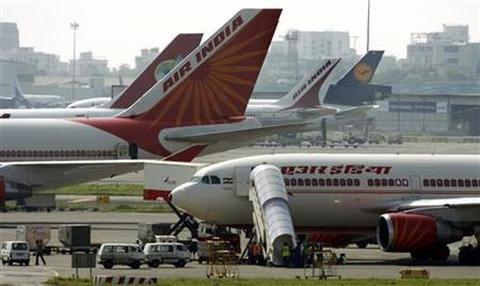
(111, 254)
(15, 251)
(166, 253)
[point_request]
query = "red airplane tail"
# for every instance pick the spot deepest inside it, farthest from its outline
(214, 83)
(178, 49)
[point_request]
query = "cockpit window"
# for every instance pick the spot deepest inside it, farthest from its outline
(215, 180)
(206, 180)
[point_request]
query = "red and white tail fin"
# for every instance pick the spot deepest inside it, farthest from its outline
(178, 49)
(305, 93)
(214, 83)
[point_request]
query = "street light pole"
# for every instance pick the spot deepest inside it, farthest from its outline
(74, 26)
(368, 26)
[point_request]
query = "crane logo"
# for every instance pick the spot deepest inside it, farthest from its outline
(363, 72)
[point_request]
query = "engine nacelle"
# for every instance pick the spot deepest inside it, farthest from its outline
(13, 191)
(406, 232)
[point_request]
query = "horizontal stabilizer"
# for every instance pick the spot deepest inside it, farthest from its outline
(356, 111)
(243, 134)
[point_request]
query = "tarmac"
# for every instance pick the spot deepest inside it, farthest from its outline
(122, 227)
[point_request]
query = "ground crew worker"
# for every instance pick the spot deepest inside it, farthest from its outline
(257, 253)
(285, 251)
(39, 251)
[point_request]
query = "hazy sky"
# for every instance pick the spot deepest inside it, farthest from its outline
(116, 30)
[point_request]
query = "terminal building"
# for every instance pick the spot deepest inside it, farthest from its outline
(432, 114)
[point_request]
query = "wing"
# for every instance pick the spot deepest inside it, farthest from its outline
(462, 211)
(53, 174)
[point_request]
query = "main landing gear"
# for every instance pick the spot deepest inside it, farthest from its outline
(437, 253)
(470, 252)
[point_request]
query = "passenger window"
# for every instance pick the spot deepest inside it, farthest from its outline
(446, 183)
(440, 182)
(391, 183)
(287, 182)
(349, 182)
(453, 182)
(356, 182)
(370, 182)
(342, 182)
(314, 182)
(206, 180)
(467, 183)
(460, 182)
(433, 183)
(377, 182)
(307, 182)
(321, 182)
(300, 182)
(384, 182)
(293, 182)
(215, 180)
(474, 183)
(133, 249)
(329, 182)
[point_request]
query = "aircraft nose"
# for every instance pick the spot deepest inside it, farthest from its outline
(179, 196)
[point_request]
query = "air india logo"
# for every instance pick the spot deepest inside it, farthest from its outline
(166, 66)
(363, 72)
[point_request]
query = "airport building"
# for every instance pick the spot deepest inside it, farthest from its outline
(87, 65)
(444, 51)
(436, 114)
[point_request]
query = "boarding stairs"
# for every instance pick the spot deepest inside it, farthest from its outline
(271, 212)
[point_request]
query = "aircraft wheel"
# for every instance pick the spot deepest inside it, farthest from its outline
(441, 253)
(421, 255)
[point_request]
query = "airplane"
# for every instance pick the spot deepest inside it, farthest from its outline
(354, 88)
(205, 95)
(33, 100)
(178, 49)
(89, 102)
(408, 203)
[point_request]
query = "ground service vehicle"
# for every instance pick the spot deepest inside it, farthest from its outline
(111, 254)
(173, 253)
(15, 251)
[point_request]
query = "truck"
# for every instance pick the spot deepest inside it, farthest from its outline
(75, 238)
(39, 202)
(32, 233)
(146, 232)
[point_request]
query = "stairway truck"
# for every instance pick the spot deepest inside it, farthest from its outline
(75, 237)
(147, 232)
(32, 233)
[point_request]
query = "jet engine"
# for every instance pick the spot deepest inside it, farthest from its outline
(13, 191)
(408, 232)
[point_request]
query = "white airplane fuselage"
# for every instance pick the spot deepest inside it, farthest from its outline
(333, 191)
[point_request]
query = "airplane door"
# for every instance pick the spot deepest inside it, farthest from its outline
(242, 181)
(415, 186)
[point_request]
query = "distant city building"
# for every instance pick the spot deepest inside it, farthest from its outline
(146, 56)
(449, 49)
(299, 51)
(44, 63)
(86, 65)
(8, 37)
